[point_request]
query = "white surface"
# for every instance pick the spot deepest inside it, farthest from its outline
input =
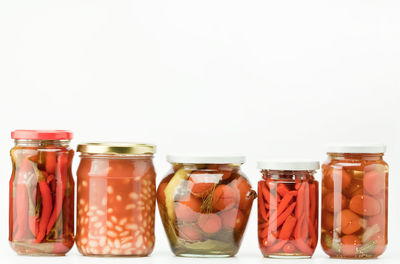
(373, 148)
(204, 159)
(269, 79)
(288, 165)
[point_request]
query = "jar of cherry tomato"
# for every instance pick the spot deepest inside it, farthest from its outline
(204, 203)
(116, 199)
(354, 202)
(41, 216)
(288, 209)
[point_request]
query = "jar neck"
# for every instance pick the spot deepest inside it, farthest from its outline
(39, 143)
(288, 174)
(356, 156)
(205, 166)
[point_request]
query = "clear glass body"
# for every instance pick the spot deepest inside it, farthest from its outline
(354, 205)
(205, 208)
(41, 209)
(287, 214)
(116, 205)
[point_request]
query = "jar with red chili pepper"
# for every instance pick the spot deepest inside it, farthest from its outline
(116, 199)
(41, 217)
(354, 202)
(204, 203)
(288, 209)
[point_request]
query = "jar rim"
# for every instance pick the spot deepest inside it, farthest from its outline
(357, 148)
(206, 158)
(116, 148)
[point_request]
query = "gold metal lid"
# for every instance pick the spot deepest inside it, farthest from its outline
(118, 148)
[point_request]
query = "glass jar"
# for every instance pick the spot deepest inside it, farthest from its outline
(116, 199)
(204, 203)
(288, 209)
(41, 212)
(354, 202)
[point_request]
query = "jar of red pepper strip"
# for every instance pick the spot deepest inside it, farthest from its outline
(288, 209)
(41, 217)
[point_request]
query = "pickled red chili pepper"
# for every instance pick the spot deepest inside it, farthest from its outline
(288, 209)
(354, 198)
(33, 197)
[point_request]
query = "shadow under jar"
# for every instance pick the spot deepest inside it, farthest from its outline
(354, 202)
(41, 217)
(116, 199)
(204, 203)
(288, 209)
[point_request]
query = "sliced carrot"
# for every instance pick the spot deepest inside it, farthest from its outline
(282, 189)
(287, 228)
(365, 205)
(284, 202)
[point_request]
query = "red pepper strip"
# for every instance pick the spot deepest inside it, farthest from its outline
(313, 202)
(277, 246)
(282, 189)
(284, 203)
(61, 186)
(21, 207)
(294, 193)
(303, 247)
(287, 228)
(47, 205)
(297, 185)
(269, 197)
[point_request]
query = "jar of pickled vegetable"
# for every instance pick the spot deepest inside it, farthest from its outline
(204, 203)
(41, 216)
(288, 209)
(354, 202)
(116, 199)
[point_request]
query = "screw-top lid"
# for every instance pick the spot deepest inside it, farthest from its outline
(368, 148)
(42, 134)
(293, 165)
(206, 158)
(121, 148)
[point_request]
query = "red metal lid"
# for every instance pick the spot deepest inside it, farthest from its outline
(42, 134)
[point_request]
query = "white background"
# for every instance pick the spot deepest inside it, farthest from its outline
(260, 77)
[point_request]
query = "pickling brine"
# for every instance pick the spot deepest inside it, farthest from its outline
(116, 200)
